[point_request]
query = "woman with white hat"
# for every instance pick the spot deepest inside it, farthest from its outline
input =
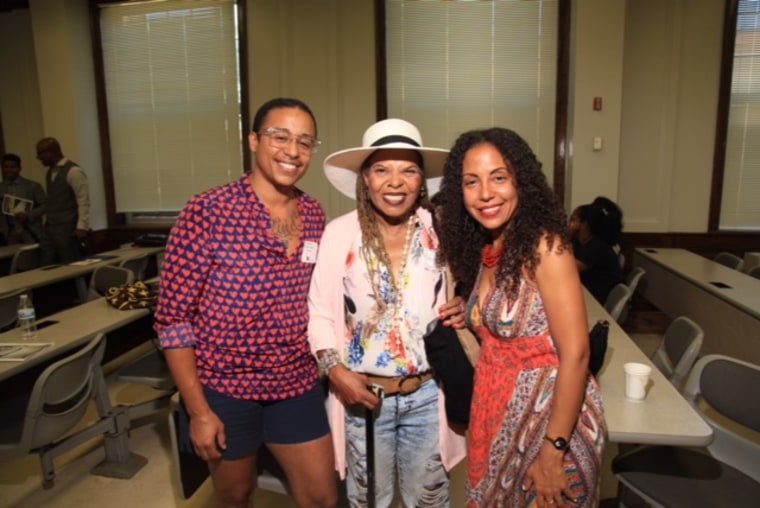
(376, 290)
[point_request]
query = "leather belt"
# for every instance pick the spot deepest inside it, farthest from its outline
(401, 385)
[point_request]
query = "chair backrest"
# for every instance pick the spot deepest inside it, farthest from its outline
(679, 349)
(633, 278)
(9, 309)
(138, 266)
(26, 258)
(729, 260)
(616, 300)
(755, 272)
(108, 276)
(61, 395)
(726, 385)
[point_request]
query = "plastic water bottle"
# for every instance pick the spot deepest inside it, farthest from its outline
(26, 317)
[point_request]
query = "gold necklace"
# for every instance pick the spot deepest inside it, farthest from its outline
(394, 342)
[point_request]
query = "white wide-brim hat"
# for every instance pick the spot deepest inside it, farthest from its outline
(342, 167)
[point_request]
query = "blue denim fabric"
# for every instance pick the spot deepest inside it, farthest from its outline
(406, 444)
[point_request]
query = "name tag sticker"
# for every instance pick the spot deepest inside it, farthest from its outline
(309, 252)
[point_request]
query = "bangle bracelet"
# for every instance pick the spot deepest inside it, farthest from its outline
(328, 360)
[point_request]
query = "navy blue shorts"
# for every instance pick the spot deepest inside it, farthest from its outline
(248, 424)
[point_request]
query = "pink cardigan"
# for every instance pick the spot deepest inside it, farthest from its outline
(327, 329)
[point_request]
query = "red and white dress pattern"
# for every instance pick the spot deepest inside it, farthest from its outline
(514, 386)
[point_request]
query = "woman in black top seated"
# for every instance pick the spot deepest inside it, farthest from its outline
(595, 230)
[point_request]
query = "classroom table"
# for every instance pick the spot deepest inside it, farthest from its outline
(51, 274)
(723, 301)
(68, 330)
(664, 417)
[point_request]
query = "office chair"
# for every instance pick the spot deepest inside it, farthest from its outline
(633, 278)
(729, 474)
(755, 272)
(37, 422)
(137, 266)
(26, 258)
(678, 349)
(150, 370)
(108, 276)
(632, 281)
(729, 260)
(617, 300)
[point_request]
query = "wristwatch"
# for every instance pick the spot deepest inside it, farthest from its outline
(560, 443)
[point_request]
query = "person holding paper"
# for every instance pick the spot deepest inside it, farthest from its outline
(23, 204)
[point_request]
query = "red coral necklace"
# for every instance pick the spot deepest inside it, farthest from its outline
(491, 255)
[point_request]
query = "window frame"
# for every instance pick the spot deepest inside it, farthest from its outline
(562, 87)
(121, 219)
(730, 18)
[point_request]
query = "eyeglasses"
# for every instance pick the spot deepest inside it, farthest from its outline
(282, 138)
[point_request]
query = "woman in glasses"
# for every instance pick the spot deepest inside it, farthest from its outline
(232, 318)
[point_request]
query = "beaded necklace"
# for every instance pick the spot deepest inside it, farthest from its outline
(491, 255)
(394, 342)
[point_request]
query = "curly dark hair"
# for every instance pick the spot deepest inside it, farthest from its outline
(605, 220)
(538, 213)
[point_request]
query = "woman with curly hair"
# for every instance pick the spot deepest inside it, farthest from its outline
(537, 426)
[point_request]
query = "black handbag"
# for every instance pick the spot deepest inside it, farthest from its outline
(452, 368)
(453, 355)
(598, 341)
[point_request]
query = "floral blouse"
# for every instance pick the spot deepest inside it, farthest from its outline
(386, 333)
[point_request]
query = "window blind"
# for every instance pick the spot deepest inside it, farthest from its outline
(458, 65)
(740, 204)
(173, 100)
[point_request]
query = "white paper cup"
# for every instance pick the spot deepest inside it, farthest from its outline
(636, 380)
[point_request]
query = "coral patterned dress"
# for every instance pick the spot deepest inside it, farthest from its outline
(512, 399)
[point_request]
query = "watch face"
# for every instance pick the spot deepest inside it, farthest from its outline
(560, 444)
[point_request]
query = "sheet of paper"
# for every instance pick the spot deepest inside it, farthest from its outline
(20, 351)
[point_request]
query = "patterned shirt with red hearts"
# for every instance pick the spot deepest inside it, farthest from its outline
(229, 290)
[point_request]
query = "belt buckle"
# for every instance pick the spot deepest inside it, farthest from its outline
(416, 383)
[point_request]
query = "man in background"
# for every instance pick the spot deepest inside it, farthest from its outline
(23, 204)
(68, 205)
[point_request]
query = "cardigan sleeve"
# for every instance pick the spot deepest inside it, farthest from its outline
(326, 314)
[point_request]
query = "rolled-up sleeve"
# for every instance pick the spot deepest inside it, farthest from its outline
(183, 275)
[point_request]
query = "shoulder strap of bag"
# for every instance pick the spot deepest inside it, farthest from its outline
(468, 340)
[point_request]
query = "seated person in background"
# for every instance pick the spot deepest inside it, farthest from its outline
(24, 199)
(595, 229)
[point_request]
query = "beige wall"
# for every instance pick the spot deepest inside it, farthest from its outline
(670, 98)
(654, 63)
(19, 91)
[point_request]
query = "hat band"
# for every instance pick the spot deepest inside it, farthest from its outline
(394, 139)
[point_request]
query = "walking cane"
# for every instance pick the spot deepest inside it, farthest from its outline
(370, 426)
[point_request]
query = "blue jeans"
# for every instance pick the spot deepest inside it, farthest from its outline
(406, 443)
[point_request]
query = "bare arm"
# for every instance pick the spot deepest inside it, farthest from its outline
(562, 295)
